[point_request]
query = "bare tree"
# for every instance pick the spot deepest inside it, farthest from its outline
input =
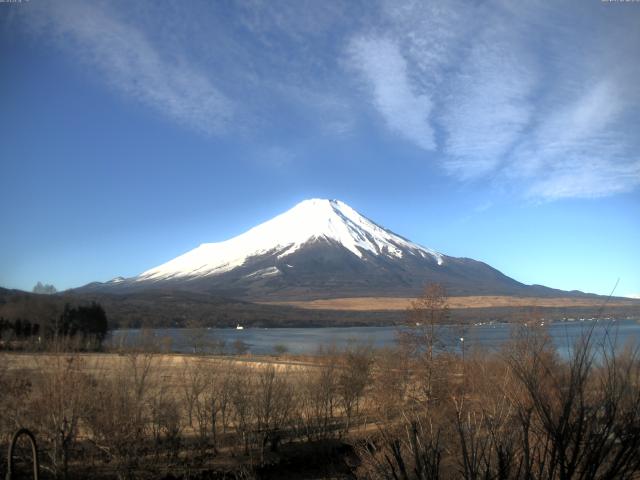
(192, 385)
(212, 401)
(273, 405)
(16, 388)
(581, 419)
(241, 389)
(57, 404)
(118, 424)
(426, 315)
(165, 422)
(391, 378)
(353, 378)
(319, 397)
(410, 450)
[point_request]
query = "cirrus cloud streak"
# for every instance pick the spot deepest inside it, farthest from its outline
(543, 106)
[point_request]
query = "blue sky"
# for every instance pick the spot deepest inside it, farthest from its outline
(131, 132)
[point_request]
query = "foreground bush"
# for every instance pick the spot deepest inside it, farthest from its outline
(522, 415)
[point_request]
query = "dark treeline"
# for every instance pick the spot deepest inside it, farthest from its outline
(84, 322)
(19, 329)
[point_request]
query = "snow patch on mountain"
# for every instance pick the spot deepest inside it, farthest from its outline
(264, 272)
(308, 221)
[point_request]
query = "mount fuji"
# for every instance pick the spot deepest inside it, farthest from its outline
(319, 249)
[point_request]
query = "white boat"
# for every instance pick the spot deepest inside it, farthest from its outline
(239, 327)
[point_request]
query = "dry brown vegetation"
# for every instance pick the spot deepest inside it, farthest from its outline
(142, 413)
(488, 301)
(407, 413)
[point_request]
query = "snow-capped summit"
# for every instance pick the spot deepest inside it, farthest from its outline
(307, 222)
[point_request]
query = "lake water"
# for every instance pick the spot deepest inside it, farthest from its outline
(261, 341)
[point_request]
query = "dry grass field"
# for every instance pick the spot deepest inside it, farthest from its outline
(167, 367)
(402, 303)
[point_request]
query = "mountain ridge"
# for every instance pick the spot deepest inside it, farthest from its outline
(321, 249)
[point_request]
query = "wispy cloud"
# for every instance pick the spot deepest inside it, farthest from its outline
(540, 99)
(508, 95)
(488, 107)
(583, 148)
(131, 63)
(383, 67)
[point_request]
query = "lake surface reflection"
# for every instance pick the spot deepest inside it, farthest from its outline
(262, 341)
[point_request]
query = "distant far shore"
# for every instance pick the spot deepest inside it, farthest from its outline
(177, 309)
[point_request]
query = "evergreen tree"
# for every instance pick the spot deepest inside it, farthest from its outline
(17, 328)
(88, 321)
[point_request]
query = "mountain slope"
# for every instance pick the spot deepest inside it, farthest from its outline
(320, 249)
(312, 220)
